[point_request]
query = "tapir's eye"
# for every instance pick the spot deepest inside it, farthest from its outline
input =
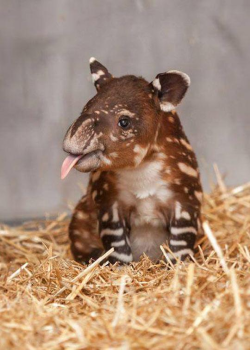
(124, 122)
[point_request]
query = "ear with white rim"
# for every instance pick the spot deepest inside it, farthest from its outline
(170, 88)
(100, 74)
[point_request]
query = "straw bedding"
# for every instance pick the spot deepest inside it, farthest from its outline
(48, 301)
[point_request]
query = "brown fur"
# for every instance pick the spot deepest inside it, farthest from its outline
(155, 137)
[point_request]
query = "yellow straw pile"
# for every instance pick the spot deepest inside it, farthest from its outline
(48, 301)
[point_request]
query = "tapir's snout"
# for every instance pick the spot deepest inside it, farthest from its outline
(78, 135)
(83, 145)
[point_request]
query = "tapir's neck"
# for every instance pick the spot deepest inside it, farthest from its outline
(145, 179)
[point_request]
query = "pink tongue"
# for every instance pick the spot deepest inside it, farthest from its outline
(68, 164)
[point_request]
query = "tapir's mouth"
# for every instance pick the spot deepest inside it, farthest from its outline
(82, 162)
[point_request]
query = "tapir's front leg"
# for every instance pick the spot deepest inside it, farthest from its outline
(83, 233)
(184, 227)
(114, 230)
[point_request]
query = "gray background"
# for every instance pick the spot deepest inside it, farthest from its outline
(45, 81)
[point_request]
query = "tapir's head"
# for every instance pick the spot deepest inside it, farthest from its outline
(118, 125)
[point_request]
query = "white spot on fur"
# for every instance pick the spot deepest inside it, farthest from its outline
(92, 60)
(181, 230)
(187, 169)
(106, 187)
(94, 194)
(121, 256)
(167, 107)
(156, 148)
(115, 212)
(177, 243)
(185, 215)
(180, 253)
(76, 233)
(179, 214)
(118, 243)
(127, 135)
(96, 176)
(141, 153)
(198, 195)
(177, 181)
(198, 224)
(178, 210)
(105, 217)
(105, 160)
(96, 76)
(85, 234)
(109, 232)
(79, 245)
(113, 155)
(81, 215)
(162, 156)
(157, 84)
(126, 112)
(113, 138)
(186, 144)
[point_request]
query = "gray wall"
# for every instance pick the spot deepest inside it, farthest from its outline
(45, 81)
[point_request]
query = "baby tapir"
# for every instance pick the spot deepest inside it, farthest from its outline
(144, 188)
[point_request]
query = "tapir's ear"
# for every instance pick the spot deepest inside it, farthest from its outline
(170, 88)
(100, 74)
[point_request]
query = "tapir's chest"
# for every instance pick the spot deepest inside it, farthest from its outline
(147, 222)
(146, 211)
(144, 191)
